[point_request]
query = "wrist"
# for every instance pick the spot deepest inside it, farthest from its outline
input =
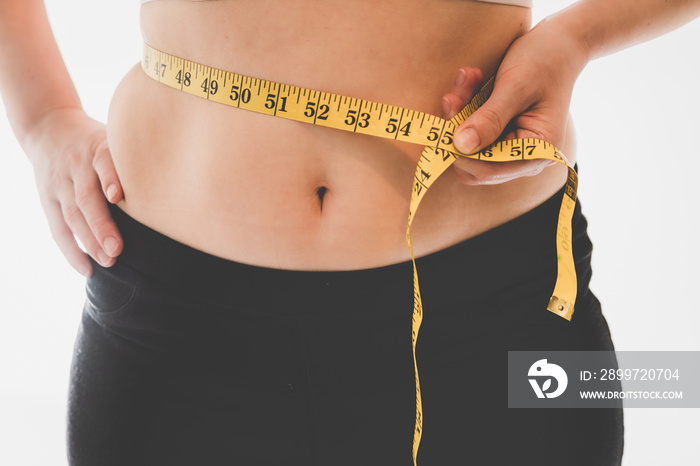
(38, 127)
(572, 26)
(46, 132)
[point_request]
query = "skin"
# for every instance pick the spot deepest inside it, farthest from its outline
(74, 165)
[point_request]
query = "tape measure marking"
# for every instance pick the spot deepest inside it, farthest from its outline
(385, 121)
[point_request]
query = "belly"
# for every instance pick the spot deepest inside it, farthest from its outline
(277, 193)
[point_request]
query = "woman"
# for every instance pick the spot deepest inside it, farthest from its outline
(189, 356)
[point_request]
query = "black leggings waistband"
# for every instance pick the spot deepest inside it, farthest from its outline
(514, 253)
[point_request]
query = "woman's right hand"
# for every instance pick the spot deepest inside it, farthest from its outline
(76, 177)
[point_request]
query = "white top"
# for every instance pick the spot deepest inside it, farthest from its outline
(523, 3)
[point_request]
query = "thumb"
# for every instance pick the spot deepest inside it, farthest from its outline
(486, 124)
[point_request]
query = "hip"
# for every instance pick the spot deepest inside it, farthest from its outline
(241, 361)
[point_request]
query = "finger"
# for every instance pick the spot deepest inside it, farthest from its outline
(485, 125)
(478, 172)
(65, 240)
(107, 174)
(93, 208)
(466, 85)
(75, 220)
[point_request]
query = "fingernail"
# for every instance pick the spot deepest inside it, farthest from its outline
(111, 191)
(110, 245)
(102, 257)
(467, 141)
(461, 78)
(446, 107)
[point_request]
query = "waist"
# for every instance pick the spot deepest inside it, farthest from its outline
(525, 243)
(288, 195)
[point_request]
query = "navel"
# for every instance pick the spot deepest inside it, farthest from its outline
(321, 193)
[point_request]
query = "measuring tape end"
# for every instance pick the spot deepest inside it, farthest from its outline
(561, 307)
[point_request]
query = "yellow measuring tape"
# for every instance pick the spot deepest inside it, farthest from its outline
(386, 121)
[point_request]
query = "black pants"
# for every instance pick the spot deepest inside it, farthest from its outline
(183, 358)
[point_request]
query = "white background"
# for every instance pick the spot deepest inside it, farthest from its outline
(636, 113)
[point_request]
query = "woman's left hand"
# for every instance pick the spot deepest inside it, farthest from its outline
(530, 99)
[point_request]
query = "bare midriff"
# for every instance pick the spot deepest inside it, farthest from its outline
(277, 193)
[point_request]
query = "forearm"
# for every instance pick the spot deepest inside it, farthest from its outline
(33, 77)
(606, 26)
